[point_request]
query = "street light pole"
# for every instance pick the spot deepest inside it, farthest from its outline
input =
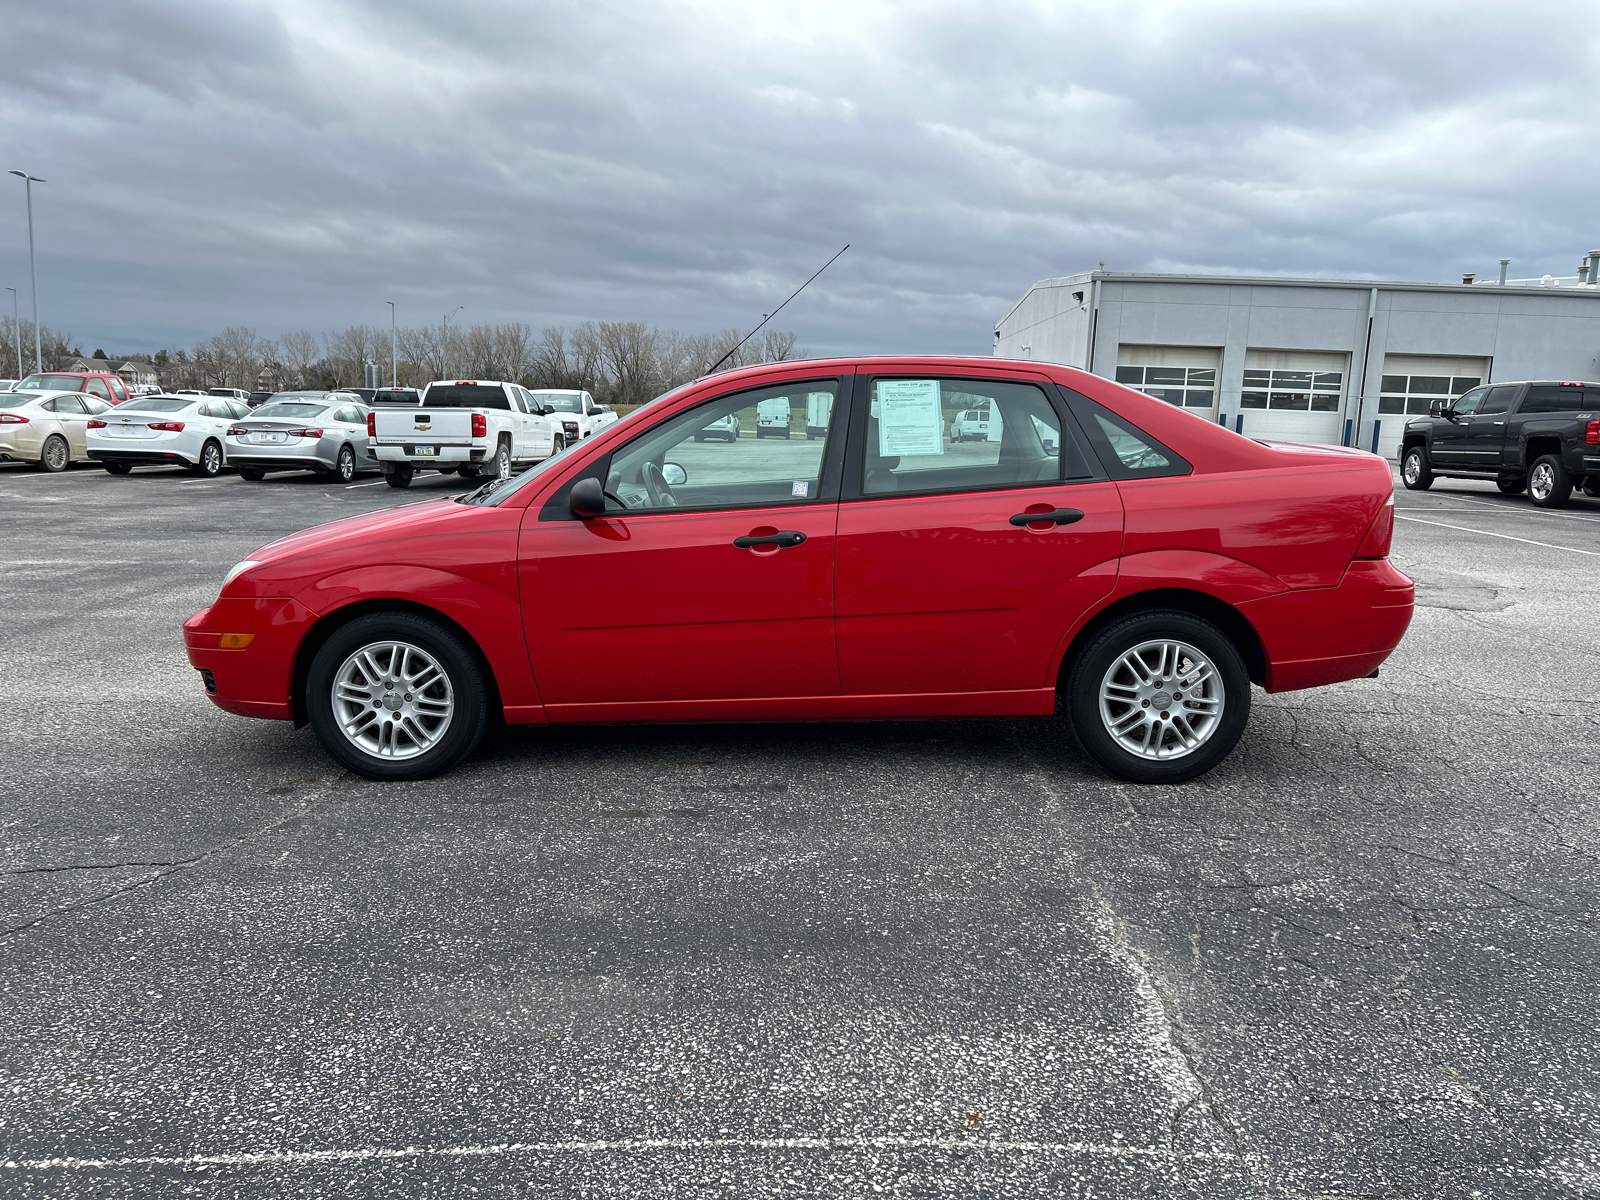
(445, 349)
(16, 321)
(394, 380)
(33, 275)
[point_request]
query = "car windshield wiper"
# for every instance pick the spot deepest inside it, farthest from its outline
(484, 490)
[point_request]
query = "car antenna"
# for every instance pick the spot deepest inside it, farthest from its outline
(767, 317)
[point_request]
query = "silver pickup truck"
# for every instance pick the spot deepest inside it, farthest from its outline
(469, 426)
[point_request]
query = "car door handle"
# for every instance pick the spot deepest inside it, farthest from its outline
(1060, 516)
(784, 537)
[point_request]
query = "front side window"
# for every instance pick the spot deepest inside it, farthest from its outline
(961, 435)
(1498, 400)
(1468, 404)
(712, 456)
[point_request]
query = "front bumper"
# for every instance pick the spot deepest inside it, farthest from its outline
(1364, 617)
(255, 681)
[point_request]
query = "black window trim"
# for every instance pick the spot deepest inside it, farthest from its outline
(557, 508)
(861, 408)
(1083, 409)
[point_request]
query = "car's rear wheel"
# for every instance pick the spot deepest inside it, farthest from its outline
(54, 454)
(1549, 483)
(1415, 470)
(209, 463)
(399, 475)
(117, 468)
(344, 467)
(397, 695)
(252, 474)
(1160, 696)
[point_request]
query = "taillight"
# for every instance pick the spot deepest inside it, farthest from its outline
(480, 425)
(167, 426)
(372, 424)
(1592, 434)
(237, 431)
(12, 419)
(1380, 534)
(96, 423)
(309, 433)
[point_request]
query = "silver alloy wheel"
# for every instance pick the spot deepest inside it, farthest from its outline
(55, 454)
(1161, 700)
(1413, 468)
(392, 700)
(345, 465)
(1541, 481)
(210, 458)
(502, 461)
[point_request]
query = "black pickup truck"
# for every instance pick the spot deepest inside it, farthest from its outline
(1542, 436)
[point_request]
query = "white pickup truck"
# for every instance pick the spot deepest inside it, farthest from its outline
(580, 414)
(468, 426)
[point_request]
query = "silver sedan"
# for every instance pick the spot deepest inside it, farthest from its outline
(297, 432)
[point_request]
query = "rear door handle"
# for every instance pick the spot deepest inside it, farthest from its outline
(784, 537)
(1060, 516)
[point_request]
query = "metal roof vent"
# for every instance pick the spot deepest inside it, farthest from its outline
(1468, 276)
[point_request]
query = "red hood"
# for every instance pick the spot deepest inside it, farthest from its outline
(366, 529)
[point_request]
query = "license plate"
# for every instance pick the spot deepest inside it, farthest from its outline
(272, 437)
(129, 431)
(425, 451)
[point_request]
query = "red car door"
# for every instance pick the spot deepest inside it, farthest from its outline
(941, 586)
(710, 577)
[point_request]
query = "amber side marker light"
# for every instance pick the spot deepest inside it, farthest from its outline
(235, 641)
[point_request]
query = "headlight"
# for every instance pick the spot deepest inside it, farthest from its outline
(239, 568)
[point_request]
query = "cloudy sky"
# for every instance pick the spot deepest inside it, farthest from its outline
(295, 164)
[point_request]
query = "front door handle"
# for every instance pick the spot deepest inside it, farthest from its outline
(784, 537)
(1059, 516)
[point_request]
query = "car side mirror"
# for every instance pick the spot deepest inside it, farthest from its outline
(1436, 408)
(587, 499)
(674, 475)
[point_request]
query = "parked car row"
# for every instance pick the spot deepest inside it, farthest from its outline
(462, 426)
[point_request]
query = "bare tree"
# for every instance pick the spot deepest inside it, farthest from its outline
(236, 354)
(301, 351)
(629, 350)
(346, 353)
(422, 347)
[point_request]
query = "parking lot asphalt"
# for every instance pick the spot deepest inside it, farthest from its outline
(919, 959)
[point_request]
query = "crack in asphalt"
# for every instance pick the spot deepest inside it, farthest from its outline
(316, 800)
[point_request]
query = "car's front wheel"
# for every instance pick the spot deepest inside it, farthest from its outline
(1415, 471)
(1511, 485)
(1159, 696)
(397, 695)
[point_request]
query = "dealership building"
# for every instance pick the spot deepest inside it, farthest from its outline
(1309, 360)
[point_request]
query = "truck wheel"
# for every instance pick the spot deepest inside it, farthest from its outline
(1415, 470)
(399, 475)
(1511, 485)
(251, 474)
(1549, 484)
(1160, 696)
(397, 695)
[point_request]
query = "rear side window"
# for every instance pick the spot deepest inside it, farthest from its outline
(1127, 451)
(1552, 398)
(490, 396)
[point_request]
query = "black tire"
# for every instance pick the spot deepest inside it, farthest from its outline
(760, 433)
(698, 438)
(117, 468)
(464, 472)
(344, 467)
(1090, 669)
(55, 455)
(730, 437)
(1416, 472)
(399, 475)
(1549, 483)
(1512, 485)
(558, 444)
(252, 474)
(469, 688)
(210, 462)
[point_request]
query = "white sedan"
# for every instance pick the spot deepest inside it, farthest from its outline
(47, 428)
(181, 431)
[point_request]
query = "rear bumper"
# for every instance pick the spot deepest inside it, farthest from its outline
(445, 454)
(1364, 617)
(255, 681)
(280, 462)
(141, 456)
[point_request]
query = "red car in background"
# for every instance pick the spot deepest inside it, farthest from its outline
(110, 388)
(1096, 546)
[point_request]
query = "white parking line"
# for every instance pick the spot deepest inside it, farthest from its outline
(1500, 506)
(352, 486)
(1508, 537)
(617, 1146)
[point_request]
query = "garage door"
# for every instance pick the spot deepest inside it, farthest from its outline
(1412, 381)
(1181, 375)
(1294, 395)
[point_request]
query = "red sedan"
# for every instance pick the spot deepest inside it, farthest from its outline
(1093, 546)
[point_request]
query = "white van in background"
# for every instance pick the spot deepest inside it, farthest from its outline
(819, 411)
(773, 416)
(977, 425)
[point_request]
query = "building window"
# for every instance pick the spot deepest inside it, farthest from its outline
(1413, 394)
(1293, 391)
(1186, 387)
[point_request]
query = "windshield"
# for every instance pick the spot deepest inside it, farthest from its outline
(166, 404)
(289, 409)
(561, 401)
(51, 383)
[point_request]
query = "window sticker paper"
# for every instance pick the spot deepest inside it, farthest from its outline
(909, 418)
(801, 487)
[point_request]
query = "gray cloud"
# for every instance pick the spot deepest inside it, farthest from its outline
(296, 164)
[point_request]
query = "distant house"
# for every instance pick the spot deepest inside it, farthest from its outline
(137, 373)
